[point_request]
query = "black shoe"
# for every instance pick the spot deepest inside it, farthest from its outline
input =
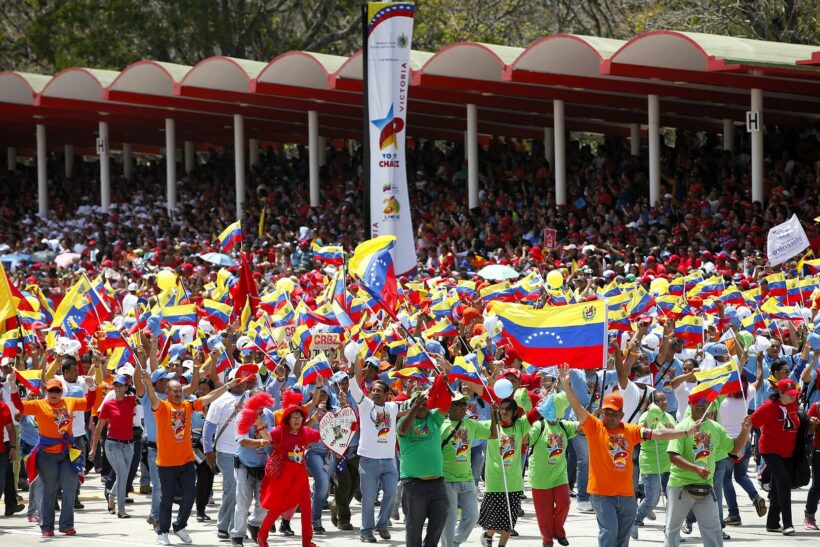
(513, 534)
(222, 534)
(520, 511)
(77, 504)
(12, 510)
(562, 541)
(367, 538)
(129, 500)
(285, 528)
(384, 534)
(254, 530)
(346, 526)
(236, 542)
(202, 517)
(318, 529)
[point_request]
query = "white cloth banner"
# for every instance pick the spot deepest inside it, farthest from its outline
(786, 241)
(390, 33)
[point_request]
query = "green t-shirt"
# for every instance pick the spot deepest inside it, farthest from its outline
(548, 462)
(702, 449)
(653, 458)
(421, 448)
(507, 449)
(456, 453)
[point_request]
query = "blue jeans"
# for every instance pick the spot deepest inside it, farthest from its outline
(652, 487)
(226, 508)
(615, 515)
(375, 474)
(723, 468)
(477, 456)
(119, 456)
(156, 489)
(740, 473)
(464, 496)
(579, 443)
(321, 481)
(56, 473)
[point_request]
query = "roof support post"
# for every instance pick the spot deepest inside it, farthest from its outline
(189, 157)
(105, 168)
(11, 159)
(253, 152)
(635, 139)
(654, 149)
(239, 161)
(68, 153)
(170, 165)
(757, 147)
(728, 135)
(42, 174)
(559, 125)
(127, 161)
(549, 147)
(313, 156)
(322, 151)
(472, 156)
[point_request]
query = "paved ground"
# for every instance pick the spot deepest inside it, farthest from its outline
(96, 527)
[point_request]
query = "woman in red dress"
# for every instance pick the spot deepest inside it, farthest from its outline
(286, 480)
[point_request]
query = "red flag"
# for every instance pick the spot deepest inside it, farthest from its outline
(440, 396)
(246, 290)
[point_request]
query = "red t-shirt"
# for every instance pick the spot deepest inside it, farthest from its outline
(5, 418)
(778, 427)
(120, 416)
(814, 410)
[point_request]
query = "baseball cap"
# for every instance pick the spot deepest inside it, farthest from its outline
(514, 371)
(613, 401)
(373, 362)
(459, 397)
(787, 386)
(121, 379)
(162, 374)
(54, 384)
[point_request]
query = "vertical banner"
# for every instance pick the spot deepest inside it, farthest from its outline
(389, 37)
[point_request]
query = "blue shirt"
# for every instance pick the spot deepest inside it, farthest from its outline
(274, 389)
(664, 383)
(28, 430)
(583, 385)
(255, 456)
(478, 409)
(148, 420)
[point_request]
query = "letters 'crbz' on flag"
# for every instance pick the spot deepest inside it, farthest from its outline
(372, 266)
(786, 241)
(387, 76)
(230, 236)
(721, 380)
(574, 334)
(318, 366)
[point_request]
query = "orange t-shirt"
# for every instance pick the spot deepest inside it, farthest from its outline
(55, 420)
(174, 445)
(610, 457)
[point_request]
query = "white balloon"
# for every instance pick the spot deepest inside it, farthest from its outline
(503, 388)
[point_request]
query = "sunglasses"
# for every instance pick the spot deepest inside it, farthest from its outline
(55, 390)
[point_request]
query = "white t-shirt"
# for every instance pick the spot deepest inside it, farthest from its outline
(632, 397)
(129, 301)
(75, 389)
(377, 425)
(733, 410)
(219, 413)
(682, 397)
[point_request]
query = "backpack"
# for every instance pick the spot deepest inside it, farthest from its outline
(801, 460)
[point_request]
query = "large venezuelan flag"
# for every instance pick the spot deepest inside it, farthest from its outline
(575, 334)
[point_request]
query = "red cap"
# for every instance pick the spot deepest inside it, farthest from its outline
(787, 386)
(514, 371)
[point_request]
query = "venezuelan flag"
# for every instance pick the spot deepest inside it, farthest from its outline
(329, 255)
(302, 338)
(372, 266)
(110, 337)
(732, 295)
(318, 366)
(608, 291)
(753, 322)
(217, 313)
(721, 380)
(773, 308)
(230, 236)
(641, 302)
(119, 357)
(10, 342)
(807, 288)
(180, 315)
(409, 373)
(503, 292)
(223, 362)
(677, 286)
(342, 317)
(443, 327)
(417, 357)
(776, 284)
(690, 329)
(32, 379)
(575, 334)
(464, 369)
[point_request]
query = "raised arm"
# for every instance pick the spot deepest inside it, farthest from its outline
(148, 388)
(191, 388)
(406, 423)
(214, 395)
(758, 372)
(566, 384)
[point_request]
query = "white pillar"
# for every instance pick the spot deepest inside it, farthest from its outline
(42, 181)
(127, 161)
(635, 139)
(728, 134)
(322, 151)
(68, 152)
(253, 151)
(757, 147)
(560, 137)
(549, 147)
(170, 165)
(11, 158)
(654, 149)
(313, 156)
(105, 169)
(189, 157)
(472, 156)
(239, 161)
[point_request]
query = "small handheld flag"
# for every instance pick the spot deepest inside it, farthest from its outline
(230, 236)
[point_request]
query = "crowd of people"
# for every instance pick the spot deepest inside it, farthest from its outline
(443, 446)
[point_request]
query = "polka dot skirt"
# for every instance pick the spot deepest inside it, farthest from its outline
(494, 514)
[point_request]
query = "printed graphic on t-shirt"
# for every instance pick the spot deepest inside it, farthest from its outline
(460, 445)
(702, 447)
(507, 446)
(665, 382)
(178, 423)
(382, 423)
(472, 410)
(788, 424)
(62, 418)
(421, 430)
(619, 450)
(297, 454)
(555, 447)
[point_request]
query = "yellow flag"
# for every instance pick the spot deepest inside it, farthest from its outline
(262, 223)
(7, 307)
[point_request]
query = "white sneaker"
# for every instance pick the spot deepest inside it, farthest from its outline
(184, 536)
(162, 539)
(585, 507)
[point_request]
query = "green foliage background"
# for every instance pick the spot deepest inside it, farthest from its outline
(49, 35)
